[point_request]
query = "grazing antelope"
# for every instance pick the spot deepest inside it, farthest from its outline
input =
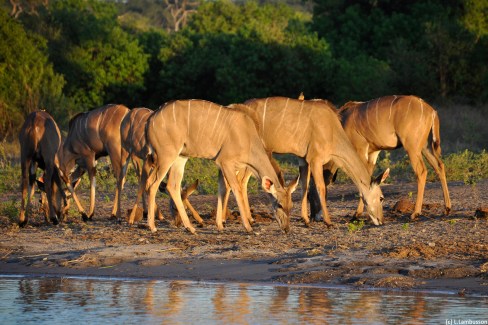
(40, 141)
(390, 122)
(92, 135)
(311, 130)
(198, 128)
(133, 141)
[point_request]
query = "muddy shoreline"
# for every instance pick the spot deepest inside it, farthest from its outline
(434, 253)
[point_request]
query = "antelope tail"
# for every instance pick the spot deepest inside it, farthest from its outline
(436, 137)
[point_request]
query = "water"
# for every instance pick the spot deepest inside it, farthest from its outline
(27, 300)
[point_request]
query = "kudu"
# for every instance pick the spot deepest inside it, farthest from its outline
(198, 128)
(40, 142)
(390, 122)
(311, 130)
(133, 141)
(92, 135)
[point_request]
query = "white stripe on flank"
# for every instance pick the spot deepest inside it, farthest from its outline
(277, 129)
(202, 121)
(216, 120)
(421, 110)
(433, 126)
(174, 115)
(264, 113)
(188, 119)
(98, 127)
(409, 103)
(377, 101)
(299, 118)
(391, 105)
(367, 114)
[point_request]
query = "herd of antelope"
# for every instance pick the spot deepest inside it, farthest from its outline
(241, 139)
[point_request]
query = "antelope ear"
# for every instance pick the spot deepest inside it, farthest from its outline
(292, 186)
(268, 185)
(382, 177)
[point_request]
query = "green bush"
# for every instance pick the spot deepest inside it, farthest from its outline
(467, 166)
(10, 209)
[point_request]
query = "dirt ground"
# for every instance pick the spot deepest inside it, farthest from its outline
(433, 253)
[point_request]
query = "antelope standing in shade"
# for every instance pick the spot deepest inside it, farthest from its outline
(390, 122)
(311, 130)
(40, 142)
(92, 135)
(133, 141)
(198, 128)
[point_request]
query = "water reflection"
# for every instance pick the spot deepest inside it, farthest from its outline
(54, 300)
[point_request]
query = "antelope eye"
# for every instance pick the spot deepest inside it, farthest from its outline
(382, 198)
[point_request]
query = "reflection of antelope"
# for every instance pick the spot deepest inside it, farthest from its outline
(387, 123)
(198, 128)
(311, 130)
(92, 135)
(133, 141)
(40, 141)
(232, 308)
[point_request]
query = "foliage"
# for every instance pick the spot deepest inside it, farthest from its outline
(100, 61)
(27, 79)
(467, 166)
(355, 226)
(10, 209)
(231, 53)
(71, 56)
(426, 45)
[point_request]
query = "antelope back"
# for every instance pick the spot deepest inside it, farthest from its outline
(202, 126)
(133, 131)
(290, 125)
(389, 122)
(92, 132)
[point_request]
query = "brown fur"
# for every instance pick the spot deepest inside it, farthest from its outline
(92, 135)
(40, 142)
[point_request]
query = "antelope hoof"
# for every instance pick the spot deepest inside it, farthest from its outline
(85, 217)
(448, 210)
(192, 230)
(22, 223)
(55, 221)
(113, 217)
(154, 229)
(330, 225)
(201, 225)
(318, 217)
(414, 216)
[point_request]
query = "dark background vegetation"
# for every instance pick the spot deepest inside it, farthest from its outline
(74, 55)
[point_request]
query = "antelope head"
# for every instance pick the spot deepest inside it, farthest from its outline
(281, 202)
(373, 201)
(60, 197)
